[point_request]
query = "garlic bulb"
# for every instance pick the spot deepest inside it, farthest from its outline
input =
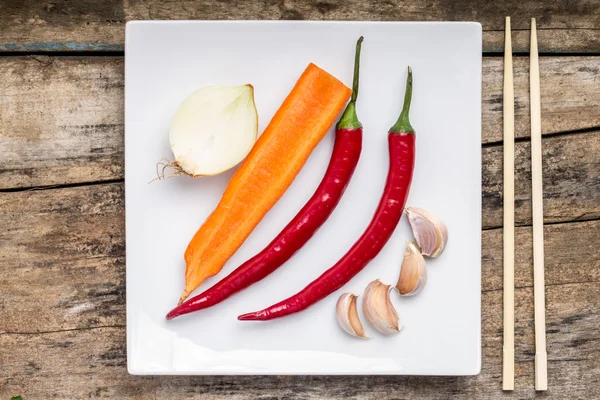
(347, 315)
(379, 309)
(413, 273)
(430, 233)
(213, 130)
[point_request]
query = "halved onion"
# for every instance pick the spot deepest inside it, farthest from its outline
(213, 129)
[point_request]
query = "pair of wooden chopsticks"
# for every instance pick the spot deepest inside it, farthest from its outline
(541, 362)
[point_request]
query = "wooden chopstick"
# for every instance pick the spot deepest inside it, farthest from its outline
(541, 359)
(508, 370)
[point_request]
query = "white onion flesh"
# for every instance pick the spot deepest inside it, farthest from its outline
(214, 129)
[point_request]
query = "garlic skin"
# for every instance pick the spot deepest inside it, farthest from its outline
(213, 129)
(347, 315)
(379, 309)
(413, 273)
(429, 231)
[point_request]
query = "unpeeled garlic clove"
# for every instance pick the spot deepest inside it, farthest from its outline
(347, 315)
(379, 309)
(413, 273)
(430, 232)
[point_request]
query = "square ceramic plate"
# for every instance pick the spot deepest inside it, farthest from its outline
(166, 61)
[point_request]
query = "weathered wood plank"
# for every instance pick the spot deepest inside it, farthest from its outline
(555, 41)
(563, 244)
(61, 119)
(62, 256)
(32, 25)
(91, 363)
(570, 92)
(571, 179)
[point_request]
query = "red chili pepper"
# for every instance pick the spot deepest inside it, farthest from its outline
(346, 152)
(401, 139)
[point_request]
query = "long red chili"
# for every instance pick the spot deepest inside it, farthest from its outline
(401, 140)
(345, 155)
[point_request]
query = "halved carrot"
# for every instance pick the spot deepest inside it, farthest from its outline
(280, 152)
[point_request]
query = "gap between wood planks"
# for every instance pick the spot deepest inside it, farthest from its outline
(84, 328)
(547, 284)
(62, 186)
(580, 218)
(499, 143)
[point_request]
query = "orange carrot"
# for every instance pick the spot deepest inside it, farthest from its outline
(280, 152)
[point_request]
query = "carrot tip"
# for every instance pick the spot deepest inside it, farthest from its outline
(184, 296)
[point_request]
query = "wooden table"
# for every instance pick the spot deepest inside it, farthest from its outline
(62, 243)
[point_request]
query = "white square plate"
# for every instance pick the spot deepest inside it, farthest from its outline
(166, 61)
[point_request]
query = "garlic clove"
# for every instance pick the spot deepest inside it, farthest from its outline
(347, 315)
(379, 309)
(413, 273)
(429, 231)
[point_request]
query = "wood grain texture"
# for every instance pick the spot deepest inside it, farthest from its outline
(91, 363)
(61, 118)
(62, 258)
(571, 180)
(33, 25)
(62, 251)
(570, 92)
